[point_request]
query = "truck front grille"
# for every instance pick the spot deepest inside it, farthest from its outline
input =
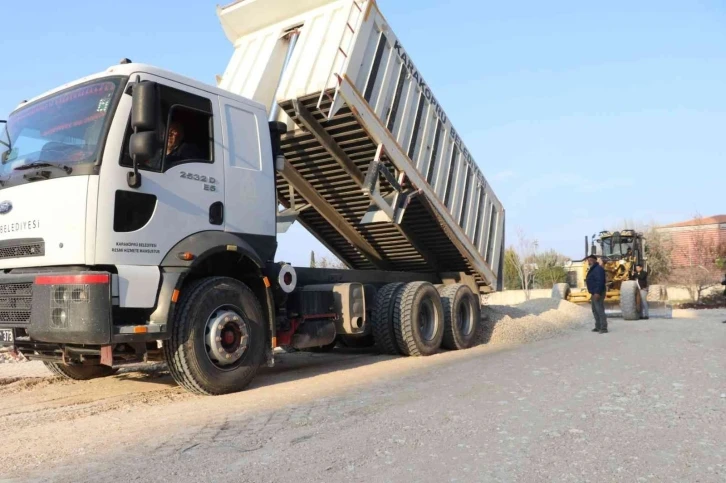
(22, 248)
(15, 302)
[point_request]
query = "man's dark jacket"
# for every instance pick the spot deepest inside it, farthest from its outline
(595, 279)
(642, 278)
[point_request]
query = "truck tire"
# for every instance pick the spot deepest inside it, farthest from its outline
(630, 300)
(79, 372)
(418, 319)
(560, 291)
(384, 335)
(208, 364)
(462, 316)
(357, 342)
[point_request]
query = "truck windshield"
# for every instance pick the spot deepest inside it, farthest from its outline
(611, 249)
(62, 130)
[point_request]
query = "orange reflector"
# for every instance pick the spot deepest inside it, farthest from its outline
(267, 281)
(141, 330)
(175, 296)
(186, 256)
(274, 342)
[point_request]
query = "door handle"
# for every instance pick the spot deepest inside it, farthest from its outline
(216, 213)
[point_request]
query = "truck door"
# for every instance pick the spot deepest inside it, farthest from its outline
(182, 188)
(249, 174)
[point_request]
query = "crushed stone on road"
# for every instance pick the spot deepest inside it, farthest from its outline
(534, 320)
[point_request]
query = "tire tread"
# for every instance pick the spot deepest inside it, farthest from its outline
(384, 335)
(629, 300)
(175, 352)
(403, 322)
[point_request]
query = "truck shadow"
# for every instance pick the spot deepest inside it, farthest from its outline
(293, 366)
(288, 367)
(302, 365)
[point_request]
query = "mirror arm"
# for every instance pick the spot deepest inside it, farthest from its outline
(134, 178)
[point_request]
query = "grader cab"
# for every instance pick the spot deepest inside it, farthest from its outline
(618, 252)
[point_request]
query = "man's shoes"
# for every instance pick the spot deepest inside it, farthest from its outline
(598, 330)
(604, 331)
(646, 318)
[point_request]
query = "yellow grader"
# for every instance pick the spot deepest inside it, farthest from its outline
(618, 252)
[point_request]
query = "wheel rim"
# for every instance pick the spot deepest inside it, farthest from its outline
(427, 320)
(226, 337)
(464, 317)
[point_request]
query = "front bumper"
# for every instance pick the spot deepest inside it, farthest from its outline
(57, 307)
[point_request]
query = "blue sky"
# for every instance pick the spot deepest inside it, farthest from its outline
(581, 114)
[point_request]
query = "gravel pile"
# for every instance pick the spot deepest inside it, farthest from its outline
(531, 321)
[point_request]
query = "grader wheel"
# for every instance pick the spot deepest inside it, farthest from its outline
(630, 300)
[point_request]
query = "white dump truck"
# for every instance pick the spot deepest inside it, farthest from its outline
(139, 209)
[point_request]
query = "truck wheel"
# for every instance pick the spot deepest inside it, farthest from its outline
(462, 314)
(218, 337)
(384, 334)
(418, 319)
(357, 342)
(630, 300)
(560, 291)
(79, 372)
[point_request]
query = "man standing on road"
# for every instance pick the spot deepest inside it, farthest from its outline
(595, 281)
(641, 276)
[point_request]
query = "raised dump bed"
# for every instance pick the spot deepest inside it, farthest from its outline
(374, 167)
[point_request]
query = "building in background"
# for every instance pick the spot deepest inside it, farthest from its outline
(689, 240)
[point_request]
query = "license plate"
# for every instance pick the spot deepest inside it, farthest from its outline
(6, 336)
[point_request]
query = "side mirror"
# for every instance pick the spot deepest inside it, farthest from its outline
(144, 104)
(143, 146)
(144, 117)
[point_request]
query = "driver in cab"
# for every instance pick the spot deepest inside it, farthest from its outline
(176, 148)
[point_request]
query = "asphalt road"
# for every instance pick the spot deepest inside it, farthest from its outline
(646, 402)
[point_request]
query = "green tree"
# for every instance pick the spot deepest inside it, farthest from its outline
(549, 269)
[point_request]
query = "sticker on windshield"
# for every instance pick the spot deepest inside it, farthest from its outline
(104, 103)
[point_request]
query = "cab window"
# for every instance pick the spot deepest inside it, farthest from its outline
(185, 133)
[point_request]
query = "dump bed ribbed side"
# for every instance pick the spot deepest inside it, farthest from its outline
(375, 169)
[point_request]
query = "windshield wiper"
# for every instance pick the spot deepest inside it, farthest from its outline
(65, 168)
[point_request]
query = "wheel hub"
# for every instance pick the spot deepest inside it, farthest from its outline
(227, 337)
(427, 321)
(465, 322)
